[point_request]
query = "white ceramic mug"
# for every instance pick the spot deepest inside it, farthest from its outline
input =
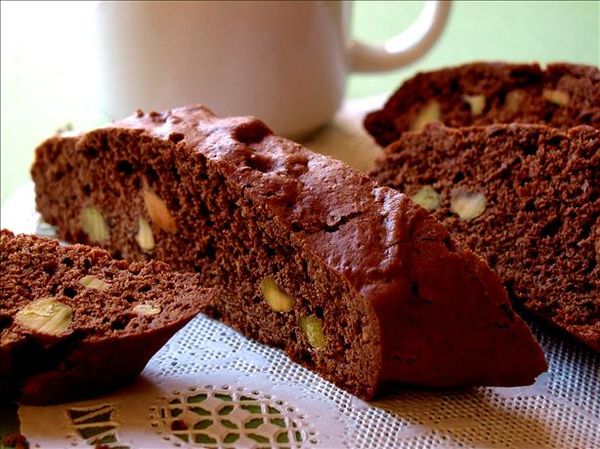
(285, 62)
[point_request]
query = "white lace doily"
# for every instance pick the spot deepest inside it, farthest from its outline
(211, 387)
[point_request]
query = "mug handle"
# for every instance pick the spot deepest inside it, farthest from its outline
(404, 48)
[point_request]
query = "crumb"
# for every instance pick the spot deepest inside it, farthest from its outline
(179, 424)
(15, 440)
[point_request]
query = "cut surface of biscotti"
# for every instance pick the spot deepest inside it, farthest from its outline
(563, 95)
(75, 323)
(527, 197)
(352, 280)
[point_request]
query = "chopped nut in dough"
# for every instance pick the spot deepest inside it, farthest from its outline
(514, 100)
(93, 224)
(45, 315)
(477, 103)
(430, 113)
(556, 96)
(93, 282)
(147, 308)
(278, 300)
(158, 211)
(144, 236)
(467, 205)
(312, 327)
(427, 197)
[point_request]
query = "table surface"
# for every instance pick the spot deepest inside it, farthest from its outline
(48, 61)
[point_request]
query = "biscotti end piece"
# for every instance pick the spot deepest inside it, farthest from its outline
(527, 198)
(449, 288)
(74, 322)
(481, 93)
(311, 256)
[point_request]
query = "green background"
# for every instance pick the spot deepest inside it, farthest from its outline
(48, 62)
(48, 58)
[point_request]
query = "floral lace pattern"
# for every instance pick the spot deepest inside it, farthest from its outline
(210, 387)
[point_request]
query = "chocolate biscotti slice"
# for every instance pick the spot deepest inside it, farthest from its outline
(562, 96)
(75, 323)
(527, 197)
(352, 280)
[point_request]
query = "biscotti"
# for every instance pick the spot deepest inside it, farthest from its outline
(352, 280)
(527, 197)
(562, 96)
(75, 323)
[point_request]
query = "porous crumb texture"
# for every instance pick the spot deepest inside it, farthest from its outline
(311, 255)
(563, 95)
(120, 314)
(539, 222)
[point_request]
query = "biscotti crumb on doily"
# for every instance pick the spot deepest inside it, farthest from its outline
(15, 440)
